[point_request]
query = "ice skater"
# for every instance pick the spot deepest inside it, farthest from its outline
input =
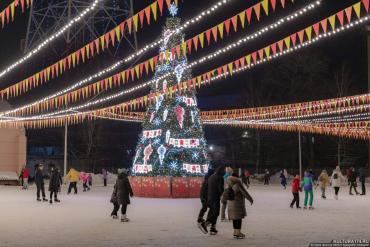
(336, 181)
(104, 176)
(54, 184)
(267, 177)
(236, 204)
(324, 181)
(73, 177)
(362, 178)
(215, 190)
(203, 197)
(283, 179)
(25, 176)
(352, 180)
(228, 173)
(121, 195)
(295, 191)
(246, 178)
(307, 185)
(90, 180)
(85, 179)
(39, 180)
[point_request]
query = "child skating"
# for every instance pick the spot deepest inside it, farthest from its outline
(295, 190)
(307, 185)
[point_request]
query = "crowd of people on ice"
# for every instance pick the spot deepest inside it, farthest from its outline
(222, 190)
(56, 181)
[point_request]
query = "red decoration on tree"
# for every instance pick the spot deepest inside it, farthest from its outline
(180, 115)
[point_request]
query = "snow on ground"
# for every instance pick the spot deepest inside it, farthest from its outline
(83, 220)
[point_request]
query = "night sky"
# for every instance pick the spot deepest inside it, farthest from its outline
(348, 47)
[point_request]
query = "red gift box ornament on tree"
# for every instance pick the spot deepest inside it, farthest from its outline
(180, 115)
(147, 152)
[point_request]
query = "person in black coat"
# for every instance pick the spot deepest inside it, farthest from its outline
(39, 181)
(215, 187)
(204, 196)
(121, 195)
(362, 177)
(54, 185)
(352, 181)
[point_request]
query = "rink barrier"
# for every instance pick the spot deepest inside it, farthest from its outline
(166, 187)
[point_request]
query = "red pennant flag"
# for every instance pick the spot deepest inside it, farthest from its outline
(129, 25)
(316, 28)
(168, 3)
(219, 71)
(366, 4)
(349, 13)
(189, 44)
(91, 46)
(7, 13)
(122, 27)
(106, 37)
(112, 36)
(234, 20)
(273, 48)
(254, 57)
(227, 26)
(195, 41)
(214, 32)
(324, 25)
(78, 56)
(248, 12)
(294, 38)
(160, 4)
(340, 17)
(301, 36)
(208, 35)
(242, 62)
(282, 3)
(273, 4)
(260, 53)
(237, 64)
(147, 14)
(97, 46)
(281, 45)
(22, 5)
(141, 18)
(257, 10)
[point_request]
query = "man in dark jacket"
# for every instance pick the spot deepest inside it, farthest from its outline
(362, 177)
(215, 189)
(352, 180)
(54, 184)
(39, 180)
(204, 196)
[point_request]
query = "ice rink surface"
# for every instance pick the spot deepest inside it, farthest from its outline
(83, 220)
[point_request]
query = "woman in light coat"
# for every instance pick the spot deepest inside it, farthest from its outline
(236, 207)
(324, 181)
(336, 180)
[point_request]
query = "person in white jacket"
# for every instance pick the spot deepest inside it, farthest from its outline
(336, 180)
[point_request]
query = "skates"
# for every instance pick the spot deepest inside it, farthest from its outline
(124, 218)
(238, 234)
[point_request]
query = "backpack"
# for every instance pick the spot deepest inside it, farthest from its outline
(335, 176)
(229, 194)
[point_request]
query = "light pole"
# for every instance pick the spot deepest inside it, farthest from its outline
(300, 154)
(65, 148)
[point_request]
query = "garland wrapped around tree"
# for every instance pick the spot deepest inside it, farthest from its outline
(172, 142)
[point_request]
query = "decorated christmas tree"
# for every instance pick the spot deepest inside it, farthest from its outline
(172, 142)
